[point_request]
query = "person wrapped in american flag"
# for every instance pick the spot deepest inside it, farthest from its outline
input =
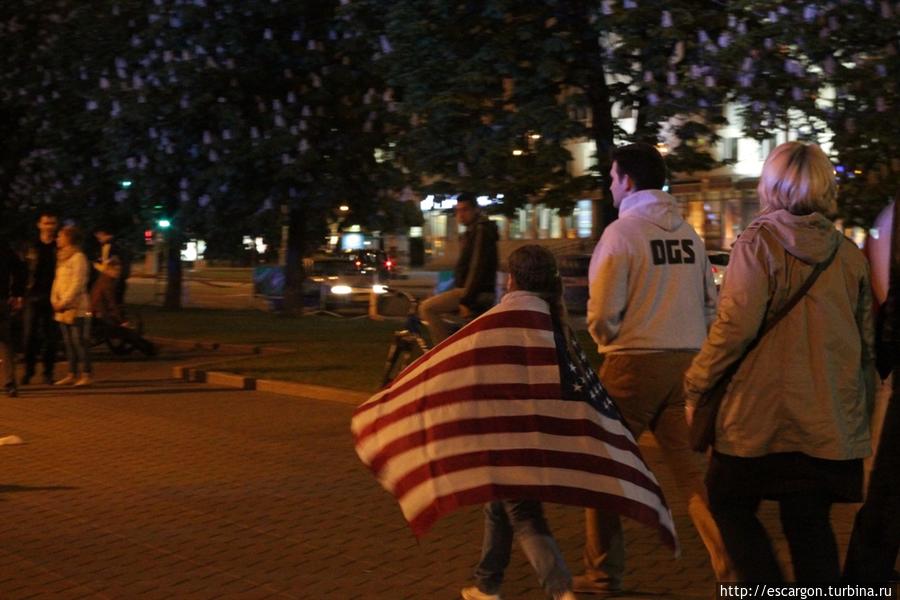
(508, 412)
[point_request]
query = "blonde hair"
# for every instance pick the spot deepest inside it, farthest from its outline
(799, 178)
(73, 232)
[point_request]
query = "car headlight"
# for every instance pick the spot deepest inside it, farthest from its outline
(379, 289)
(341, 290)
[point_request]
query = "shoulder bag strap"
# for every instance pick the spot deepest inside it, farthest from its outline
(820, 267)
(784, 310)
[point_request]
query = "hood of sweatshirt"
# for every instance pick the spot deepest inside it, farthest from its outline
(810, 238)
(654, 206)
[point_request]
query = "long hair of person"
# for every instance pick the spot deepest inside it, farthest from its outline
(533, 268)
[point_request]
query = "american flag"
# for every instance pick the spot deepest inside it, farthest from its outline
(505, 409)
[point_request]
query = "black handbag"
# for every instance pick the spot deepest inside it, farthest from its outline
(702, 432)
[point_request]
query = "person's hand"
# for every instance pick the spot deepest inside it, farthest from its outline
(689, 414)
(464, 311)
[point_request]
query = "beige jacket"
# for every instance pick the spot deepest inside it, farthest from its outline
(69, 291)
(808, 386)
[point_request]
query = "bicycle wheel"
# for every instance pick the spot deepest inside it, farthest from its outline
(118, 345)
(402, 353)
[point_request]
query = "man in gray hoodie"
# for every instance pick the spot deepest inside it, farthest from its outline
(652, 298)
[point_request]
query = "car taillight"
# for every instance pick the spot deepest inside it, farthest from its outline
(389, 264)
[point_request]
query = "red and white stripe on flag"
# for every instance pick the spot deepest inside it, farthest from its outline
(503, 410)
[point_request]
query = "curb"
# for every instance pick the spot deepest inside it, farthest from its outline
(273, 386)
(198, 374)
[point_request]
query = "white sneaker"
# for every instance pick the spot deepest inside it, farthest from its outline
(570, 595)
(84, 380)
(473, 593)
(67, 380)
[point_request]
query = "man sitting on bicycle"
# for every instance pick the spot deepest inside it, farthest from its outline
(475, 273)
(109, 316)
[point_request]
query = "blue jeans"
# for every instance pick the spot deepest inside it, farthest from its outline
(524, 519)
(75, 340)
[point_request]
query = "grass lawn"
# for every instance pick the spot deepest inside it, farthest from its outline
(347, 353)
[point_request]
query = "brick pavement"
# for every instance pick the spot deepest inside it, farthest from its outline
(144, 487)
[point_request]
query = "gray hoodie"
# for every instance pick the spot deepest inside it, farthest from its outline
(651, 284)
(808, 386)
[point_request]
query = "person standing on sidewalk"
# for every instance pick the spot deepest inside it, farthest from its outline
(652, 297)
(39, 326)
(71, 305)
(475, 276)
(12, 288)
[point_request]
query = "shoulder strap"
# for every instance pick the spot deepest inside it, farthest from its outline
(819, 268)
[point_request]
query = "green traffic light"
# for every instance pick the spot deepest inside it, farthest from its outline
(164, 223)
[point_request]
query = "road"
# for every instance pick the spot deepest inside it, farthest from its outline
(197, 293)
(204, 293)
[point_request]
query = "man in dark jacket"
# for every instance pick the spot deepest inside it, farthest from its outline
(40, 328)
(475, 274)
(12, 288)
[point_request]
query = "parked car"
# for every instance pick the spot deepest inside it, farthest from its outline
(573, 270)
(719, 260)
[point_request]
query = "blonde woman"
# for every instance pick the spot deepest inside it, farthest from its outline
(794, 424)
(71, 305)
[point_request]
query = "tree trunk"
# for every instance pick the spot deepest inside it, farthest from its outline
(602, 130)
(597, 93)
(293, 267)
(173, 269)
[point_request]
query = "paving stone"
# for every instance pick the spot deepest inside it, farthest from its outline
(143, 487)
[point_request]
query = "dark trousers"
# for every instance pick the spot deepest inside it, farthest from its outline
(875, 541)
(41, 332)
(805, 519)
(7, 353)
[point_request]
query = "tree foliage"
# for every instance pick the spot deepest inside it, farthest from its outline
(829, 71)
(492, 92)
(219, 114)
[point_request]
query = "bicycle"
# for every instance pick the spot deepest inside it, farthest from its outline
(121, 340)
(409, 343)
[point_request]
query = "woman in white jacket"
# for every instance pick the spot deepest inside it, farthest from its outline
(71, 305)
